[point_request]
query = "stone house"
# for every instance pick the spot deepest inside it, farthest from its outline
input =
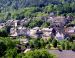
(12, 23)
(33, 32)
(23, 22)
(59, 36)
(13, 32)
(21, 31)
(46, 33)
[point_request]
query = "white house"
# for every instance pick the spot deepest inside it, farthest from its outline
(59, 36)
(33, 32)
(21, 30)
(46, 33)
(13, 32)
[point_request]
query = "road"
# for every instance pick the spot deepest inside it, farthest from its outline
(63, 54)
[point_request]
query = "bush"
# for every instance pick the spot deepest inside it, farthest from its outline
(38, 54)
(67, 45)
(59, 47)
(73, 46)
(54, 43)
(48, 46)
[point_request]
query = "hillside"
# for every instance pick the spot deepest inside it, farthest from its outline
(15, 4)
(18, 9)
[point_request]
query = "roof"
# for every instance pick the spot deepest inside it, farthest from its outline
(36, 28)
(47, 29)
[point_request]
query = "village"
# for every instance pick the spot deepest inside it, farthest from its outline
(57, 29)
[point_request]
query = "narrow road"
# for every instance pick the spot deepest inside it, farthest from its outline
(63, 54)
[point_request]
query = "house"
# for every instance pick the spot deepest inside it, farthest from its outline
(33, 32)
(24, 41)
(59, 36)
(21, 31)
(39, 33)
(57, 21)
(12, 23)
(46, 33)
(13, 32)
(70, 30)
(23, 22)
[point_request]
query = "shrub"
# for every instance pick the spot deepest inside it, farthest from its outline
(73, 46)
(59, 47)
(38, 54)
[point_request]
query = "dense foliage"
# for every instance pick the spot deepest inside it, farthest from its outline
(8, 48)
(52, 44)
(38, 54)
(18, 9)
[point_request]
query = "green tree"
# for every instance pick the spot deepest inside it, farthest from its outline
(48, 8)
(73, 46)
(45, 24)
(36, 22)
(3, 48)
(11, 53)
(3, 32)
(54, 43)
(67, 45)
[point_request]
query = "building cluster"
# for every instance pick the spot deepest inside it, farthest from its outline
(56, 30)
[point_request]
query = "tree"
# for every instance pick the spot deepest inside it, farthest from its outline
(67, 45)
(46, 24)
(73, 46)
(54, 43)
(11, 53)
(48, 8)
(3, 32)
(3, 48)
(36, 22)
(19, 55)
(8, 16)
(59, 47)
(63, 45)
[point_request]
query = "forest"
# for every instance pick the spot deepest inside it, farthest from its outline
(19, 9)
